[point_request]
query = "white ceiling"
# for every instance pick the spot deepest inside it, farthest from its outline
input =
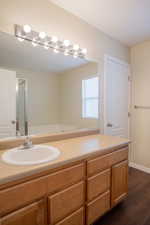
(124, 20)
(22, 55)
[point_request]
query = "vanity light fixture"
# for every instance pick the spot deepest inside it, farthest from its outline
(75, 55)
(66, 43)
(20, 39)
(54, 39)
(84, 51)
(41, 39)
(56, 50)
(34, 42)
(46, 46)
(42, 35)
(76, 47)
(27, 29)
(66, 52)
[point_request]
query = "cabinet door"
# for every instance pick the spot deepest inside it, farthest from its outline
(119, 182)
(64, 203)
(30, 215)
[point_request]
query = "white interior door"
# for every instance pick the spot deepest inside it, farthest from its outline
(7, 103)
(116, 98)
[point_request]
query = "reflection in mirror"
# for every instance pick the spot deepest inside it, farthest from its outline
(47, 91)
(21, 106)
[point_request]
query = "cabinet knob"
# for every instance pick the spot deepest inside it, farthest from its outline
(13, 122)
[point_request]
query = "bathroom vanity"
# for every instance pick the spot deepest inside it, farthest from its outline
(88, 179)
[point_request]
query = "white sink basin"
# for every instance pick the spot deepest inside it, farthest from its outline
(35, 155)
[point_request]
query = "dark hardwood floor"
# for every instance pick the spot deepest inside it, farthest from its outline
(135, 210)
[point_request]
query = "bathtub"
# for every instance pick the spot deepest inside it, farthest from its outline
(51, 128)
(47, 129)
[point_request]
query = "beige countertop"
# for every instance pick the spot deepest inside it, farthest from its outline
(71, 150)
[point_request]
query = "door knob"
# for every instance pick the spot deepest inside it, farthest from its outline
(13, 122)
(109, 125)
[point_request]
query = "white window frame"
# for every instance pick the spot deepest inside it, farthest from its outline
(84, 99)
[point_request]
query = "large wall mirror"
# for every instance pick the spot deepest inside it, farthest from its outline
(43, 92)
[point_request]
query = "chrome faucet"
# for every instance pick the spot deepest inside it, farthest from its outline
(27, 143)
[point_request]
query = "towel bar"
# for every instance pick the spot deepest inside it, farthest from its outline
(141, 107)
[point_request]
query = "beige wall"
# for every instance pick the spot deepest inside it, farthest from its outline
(71, 95)
(42, 15)
(43, 97)
(140, 126)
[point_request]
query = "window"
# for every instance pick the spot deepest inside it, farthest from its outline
(90, 98)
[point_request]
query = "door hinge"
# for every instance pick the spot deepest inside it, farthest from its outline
(129, 114)
(129, 78)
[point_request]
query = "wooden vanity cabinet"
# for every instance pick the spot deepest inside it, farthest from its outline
(33, 214)
(76, 194)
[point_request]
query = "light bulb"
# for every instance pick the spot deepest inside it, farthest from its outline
(46, 46)
(54, 39)
(66, 53)
(27, 28)
(84, 50)
(56, 50)
(66, 43)
(76, 47)
(42, 35)
(34, 44)
(75, 55)
(20, 39)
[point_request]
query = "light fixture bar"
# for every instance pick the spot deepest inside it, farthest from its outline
(41, 39)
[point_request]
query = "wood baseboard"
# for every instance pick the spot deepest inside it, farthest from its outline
(140, 167)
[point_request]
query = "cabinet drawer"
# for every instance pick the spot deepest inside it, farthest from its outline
(22, 194)
(65, 202)
(65, 178)
(30, 215)
(104, 162)
(98, 207)
(98, 184)
(76, 218)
